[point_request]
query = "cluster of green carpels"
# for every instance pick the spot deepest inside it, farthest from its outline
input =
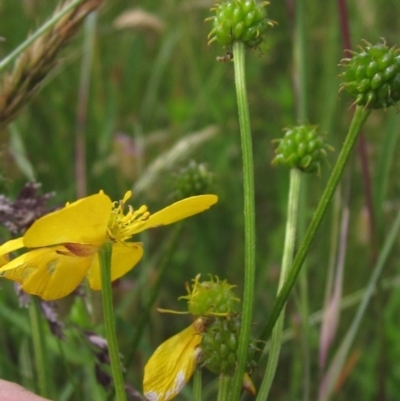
(303, 148)
(193, 179)
(239, 21)
(215, 302)
(372, 76)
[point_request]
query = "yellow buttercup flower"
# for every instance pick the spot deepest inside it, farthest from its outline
(174, 362)
(63, 245)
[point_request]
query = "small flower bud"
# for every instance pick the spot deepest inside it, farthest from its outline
(239, 21)
(372, 76)
(302, 148)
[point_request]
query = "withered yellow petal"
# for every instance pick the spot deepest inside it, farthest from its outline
(47, 273)
(84, 222)
(11, 245)
(248, 384)
(124, 258)
(172, 365)
(178, 211)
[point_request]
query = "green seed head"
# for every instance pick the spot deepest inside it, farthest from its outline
(239, 21)
(220, 343)
(372, 76)
(303, 148)
(194, 179)
(214, 297)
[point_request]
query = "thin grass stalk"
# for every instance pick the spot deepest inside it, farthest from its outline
(249, 217)
(337, 364)
(287, 258)
(83, 94)
(359, 118)
(384, 163)
(330, 321)
(39, 348)
(109, 320)
(302, 104)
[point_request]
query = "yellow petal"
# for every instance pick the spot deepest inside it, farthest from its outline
(124, 258)
(172, 365)
(248, 384)
(12, 245)
(47, 273)
(178, 211)
(84, 221)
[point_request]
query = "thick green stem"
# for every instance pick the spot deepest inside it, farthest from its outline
(224, 385)
(249, 216)
(359, 118)
(287, 258)
(109, 322)
(39, 347)
(13, 55)
(197, 385)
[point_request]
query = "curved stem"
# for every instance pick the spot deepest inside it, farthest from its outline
(359, 118)
(109, 322)
(249, 216)
(290, 240)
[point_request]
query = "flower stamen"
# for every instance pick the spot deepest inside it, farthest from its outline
(122, 226)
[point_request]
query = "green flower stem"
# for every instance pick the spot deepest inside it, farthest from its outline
(24, 45)
(109, 323)
(197, 385)
(144, 316)
(287, 258)
(359, 118)
(224, 385)
(39, 347)
(249, 216)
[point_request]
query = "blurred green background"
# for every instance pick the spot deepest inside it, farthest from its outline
(155, 82)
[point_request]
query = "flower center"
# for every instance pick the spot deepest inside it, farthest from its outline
(122, 226)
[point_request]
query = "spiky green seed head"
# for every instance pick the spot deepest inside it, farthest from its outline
(303, 148)
(213, 297)
(239, 21)
(191, 180)
(220, 344)
(372, 76)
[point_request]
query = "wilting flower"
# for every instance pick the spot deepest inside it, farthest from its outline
(174, 361)
(63, 246)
